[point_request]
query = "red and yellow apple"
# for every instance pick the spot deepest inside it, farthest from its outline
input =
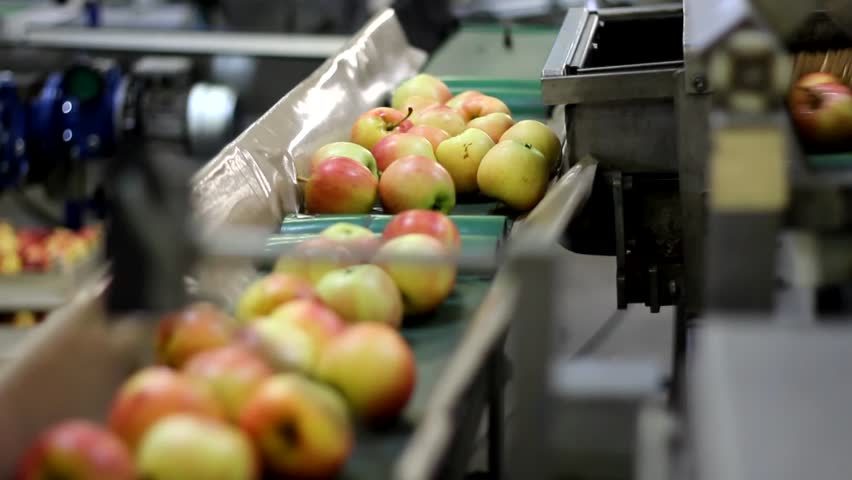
(360, 240)
(822, 111)
(514, 173)
(76, 450)
(440, 116)
(344, 149)
(317, 320)
(494, 124)
(416, 182)
(231, 372)
(374, 368)
(423, 284)
(434, 224)
(398, 145)
(286, 346)
(417, 103)
(191, 330)
(300, 428)
(268, 293)
(313, 258)
(461, 156)
(363, 293)
(539, 136)
(155, 393)
(457, 102)
(376, 124)
(340, 185)
(422, 85)
(434, 134)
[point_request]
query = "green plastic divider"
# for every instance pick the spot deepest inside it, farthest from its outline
(831, 160)
(468, 224)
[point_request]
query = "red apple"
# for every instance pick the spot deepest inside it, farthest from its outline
(477, 106)
(399, 145)
(440, 116)
(360, 240)
(300, 428)
(269, 293)
(194, 329)
(363, 293)
(373, 366)
(434, 134)
(422, 85)
(35, 257)
(315, 257)
(231, 372)
(494, 124)
(822, 113)
(344, 149)
(417, 103)
(77, 450)
(340, 185)
(818, 78)
(316, 319)
(378, 123)
(416, 182)
(423, 285)
(457, 102)
(434, 224)
(154, 393)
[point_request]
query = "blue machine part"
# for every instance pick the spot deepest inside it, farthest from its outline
(13, 131)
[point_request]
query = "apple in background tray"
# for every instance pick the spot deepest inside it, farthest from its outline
(434, 224)
(494, 124)
(399, 145)
(434, 134)
(300, 428)
(340, 185)
(345, 149)
(196, 328)
(268, 293)
(440, 116)
(378, 123)
(515, 173)
(77, 450)
(422, 85)
(461, 156)
(182, 447)
(416, 182)
(822, 112)
(363, 293)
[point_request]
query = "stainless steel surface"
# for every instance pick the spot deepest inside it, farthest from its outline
(585, 41)
(639, 11)
(605, 87)
(186, 43)
(566, 43)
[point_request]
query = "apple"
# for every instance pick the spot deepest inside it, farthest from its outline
(515, 173)
(422, 85)
(313, 258)
(181, 447)
(378, 123)
(340, 185)
(494, 124)
(10, 264)
(363, 293)
(461, 156)
(345, 149)
(285, 345)
(477, 106)
(822, 112)
(374, 368)
(76, 450)
(457, 102)
(231, 372)
(440, 116)
(423, 285)
(10, 241)
(540, 136)
(186, 332)
(417, 102)
(300, 428)
(818, 78)
(434, 224)
(434, 134)
(399, 145)
(35, 257)
(268, 293)
(152, 394)
(317, 320)
(416, 182)
(361, 241)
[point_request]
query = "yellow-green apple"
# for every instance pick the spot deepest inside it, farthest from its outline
(440, 116)
(461, 156)
(360, 240)
(378, 123)
(154, 393)
(539, 135)
(434, 134)
(422, 85)
(313, 258)
(494, 124)
(424, 285)
(457, 102)
(316, 319)
(285, 345)
(416, 182)
(822, 111)
(10, 264)
(340, 185)
(198, 327)
(373, 366)
(363, 293)
(514, 173)
(76, 450)
(231, 372)
(434, 224)
(300, 428)
(270, 292)
(480, 105)
(399, 145)
(417, 102)
(181, 447)
(345, 149)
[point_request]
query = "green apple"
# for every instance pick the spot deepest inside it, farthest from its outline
(515, 173)
(540, 136)
(180, 447)
(461, 156)
(422, 85)
(345, 149)
(363, 293)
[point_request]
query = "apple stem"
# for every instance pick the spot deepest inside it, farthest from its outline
(302, 179)
(392, 127)
(814, 100)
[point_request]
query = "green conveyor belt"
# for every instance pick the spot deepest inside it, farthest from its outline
(831, 161)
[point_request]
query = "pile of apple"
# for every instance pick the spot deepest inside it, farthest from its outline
(821, 108)
(42, 249)
(312, 349)
(428, 147)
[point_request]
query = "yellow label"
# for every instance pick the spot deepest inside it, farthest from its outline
(748, 170)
